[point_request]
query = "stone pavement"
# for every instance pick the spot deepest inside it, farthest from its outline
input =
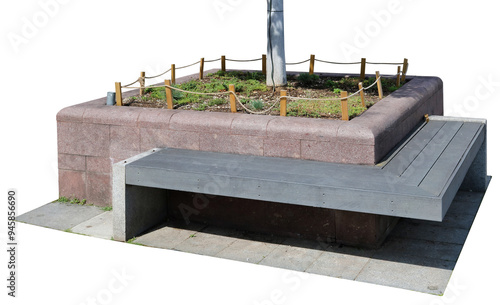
(417, 255)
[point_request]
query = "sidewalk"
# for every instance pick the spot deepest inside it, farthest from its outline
(417, 255)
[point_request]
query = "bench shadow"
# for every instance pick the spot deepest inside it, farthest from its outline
(415, 242)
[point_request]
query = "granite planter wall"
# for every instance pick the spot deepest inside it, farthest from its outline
(93, 136)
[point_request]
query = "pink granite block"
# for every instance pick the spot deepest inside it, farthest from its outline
(356, 154)
(72, 184)
(198, 121)
(356, 132)
(99, 188)
(83, 139)
(283, 148)
(71, 162)
(153, 137)
(155, 118)
(235, 144)
(121, 155)
(183, 139)
(123, 138)
(112, 115)
(303, 128)
(251, 125)
(320, 151)
(99, 164)
(71, 114)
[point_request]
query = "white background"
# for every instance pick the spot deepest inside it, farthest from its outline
(78, 49)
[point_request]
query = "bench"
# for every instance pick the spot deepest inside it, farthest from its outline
(418, 180)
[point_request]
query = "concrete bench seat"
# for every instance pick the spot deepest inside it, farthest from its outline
(417, 180)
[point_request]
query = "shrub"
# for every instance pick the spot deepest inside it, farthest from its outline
(307, 80)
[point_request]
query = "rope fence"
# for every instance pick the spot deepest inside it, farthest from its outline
(169, 84)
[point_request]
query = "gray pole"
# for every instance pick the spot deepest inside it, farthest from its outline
(275, 44)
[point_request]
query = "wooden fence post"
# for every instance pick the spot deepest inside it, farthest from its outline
(282, 103)
(172, 73)
(264, 64)
(398, 79)
(363, 69)
(142, 82)
(168, 93)
(379, 84)
(344, 107)
(362, 94)
(405, 69)
(223, 63)
(232, 98)
(202, 63)
(311, 64)
(118, 94)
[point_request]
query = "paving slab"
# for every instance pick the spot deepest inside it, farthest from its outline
(338, 265)
(290, 256)
(419, 248)
(59, 216)
(209, 242)
(168, 237)
(431, 232)
(247, 251)
(100, 226)
(412, 273)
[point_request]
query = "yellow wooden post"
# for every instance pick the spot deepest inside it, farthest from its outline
(379, 84)
(142, 82)
(362, 94)
(405, 69)
(363, 69)
(223, 63)
(283, 103)
(398, 79)
(172, 73)
(232, 98)
(202, 63)
(264, 64)
(344, 107)
(118, 93)
(168, 93)
(311, 64)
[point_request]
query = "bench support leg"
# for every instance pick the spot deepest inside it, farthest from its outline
(476, 178)
(135, 208)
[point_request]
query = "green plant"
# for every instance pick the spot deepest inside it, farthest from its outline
(201, 107)
(393, 88)
(158, 93)
(107, 208)
(216, 102)
(63, 199)
(258, 105)
(337, 91)
(307, 80)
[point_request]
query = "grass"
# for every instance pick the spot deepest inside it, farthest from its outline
(317, 109)
(108, 208)
(72, 200)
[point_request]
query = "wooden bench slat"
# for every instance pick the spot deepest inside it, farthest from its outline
(455, 152)
(413, 147)
(421, 165)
